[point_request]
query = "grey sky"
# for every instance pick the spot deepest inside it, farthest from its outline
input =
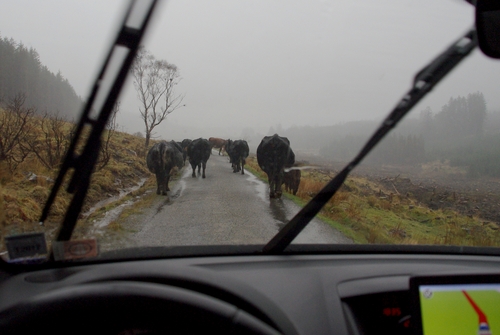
(260, 63)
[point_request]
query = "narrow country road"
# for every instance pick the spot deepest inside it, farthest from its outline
(223, 208)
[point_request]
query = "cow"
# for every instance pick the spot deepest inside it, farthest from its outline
(238, 151)
(292, 181)
(199, 152)
(161, 158)
(217, 143)
(184, 145)
(273, 155)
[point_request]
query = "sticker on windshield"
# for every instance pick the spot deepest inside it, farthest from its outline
(75, 249)
(26, 245)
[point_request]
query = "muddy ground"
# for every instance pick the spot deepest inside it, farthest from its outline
(436, 185)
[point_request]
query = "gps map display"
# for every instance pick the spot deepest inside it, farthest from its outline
(460, 309)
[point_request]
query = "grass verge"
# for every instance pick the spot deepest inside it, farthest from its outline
(366, 212)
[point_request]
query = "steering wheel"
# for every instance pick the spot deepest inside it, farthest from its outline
(128, 308)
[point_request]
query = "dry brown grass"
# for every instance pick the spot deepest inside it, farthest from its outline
(309, 188)
(353, 210)
(367, 212)
(23, 200)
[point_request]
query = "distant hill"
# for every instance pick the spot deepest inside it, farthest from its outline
(21, 72)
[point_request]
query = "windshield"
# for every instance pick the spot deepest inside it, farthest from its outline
(235, 114)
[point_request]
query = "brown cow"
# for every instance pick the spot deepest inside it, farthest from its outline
(217, 143)
(292, 181)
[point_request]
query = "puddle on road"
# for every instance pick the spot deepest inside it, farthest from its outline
(279, 212)
(260, 187)
(180, 186)
(277, 208)
(176, 191)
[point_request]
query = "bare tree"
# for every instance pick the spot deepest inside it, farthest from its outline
(105, 150)
(53, 140)
(15, 128)
(155, 81)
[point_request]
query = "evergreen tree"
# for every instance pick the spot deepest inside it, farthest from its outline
(21, 72)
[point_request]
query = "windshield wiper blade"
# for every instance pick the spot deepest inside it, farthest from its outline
(423, 83)
(103, 97)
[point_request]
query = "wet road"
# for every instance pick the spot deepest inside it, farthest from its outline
(223, 208)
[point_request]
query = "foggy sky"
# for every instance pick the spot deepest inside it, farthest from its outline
(260, 63)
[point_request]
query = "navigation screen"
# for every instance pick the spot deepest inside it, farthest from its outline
(460, 309)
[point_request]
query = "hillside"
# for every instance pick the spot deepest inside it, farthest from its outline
(25, 182)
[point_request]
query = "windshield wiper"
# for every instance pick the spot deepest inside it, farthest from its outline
(103, 97)
(423, 83)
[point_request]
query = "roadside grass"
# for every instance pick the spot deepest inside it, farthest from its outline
(366, 212)
(25, 190)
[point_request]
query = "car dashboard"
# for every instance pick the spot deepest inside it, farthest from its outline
(293, 294)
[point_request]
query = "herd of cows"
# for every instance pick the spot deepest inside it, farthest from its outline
(274, 156)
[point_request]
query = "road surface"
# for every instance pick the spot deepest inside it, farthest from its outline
(223, 208)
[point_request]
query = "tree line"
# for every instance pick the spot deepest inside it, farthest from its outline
(462, 132)
(396, 149)
(456, 133)
(21, 72)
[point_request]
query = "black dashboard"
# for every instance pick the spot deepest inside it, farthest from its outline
(294, 294)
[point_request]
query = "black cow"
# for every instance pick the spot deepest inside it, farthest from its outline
(199, 152)
(161, 158)
(273, 155)
(185, 144)
(238, 151)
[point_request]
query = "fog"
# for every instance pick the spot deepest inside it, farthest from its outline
(247, 66)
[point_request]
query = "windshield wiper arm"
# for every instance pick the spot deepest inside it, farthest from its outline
(423, 83)
(102, 99)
